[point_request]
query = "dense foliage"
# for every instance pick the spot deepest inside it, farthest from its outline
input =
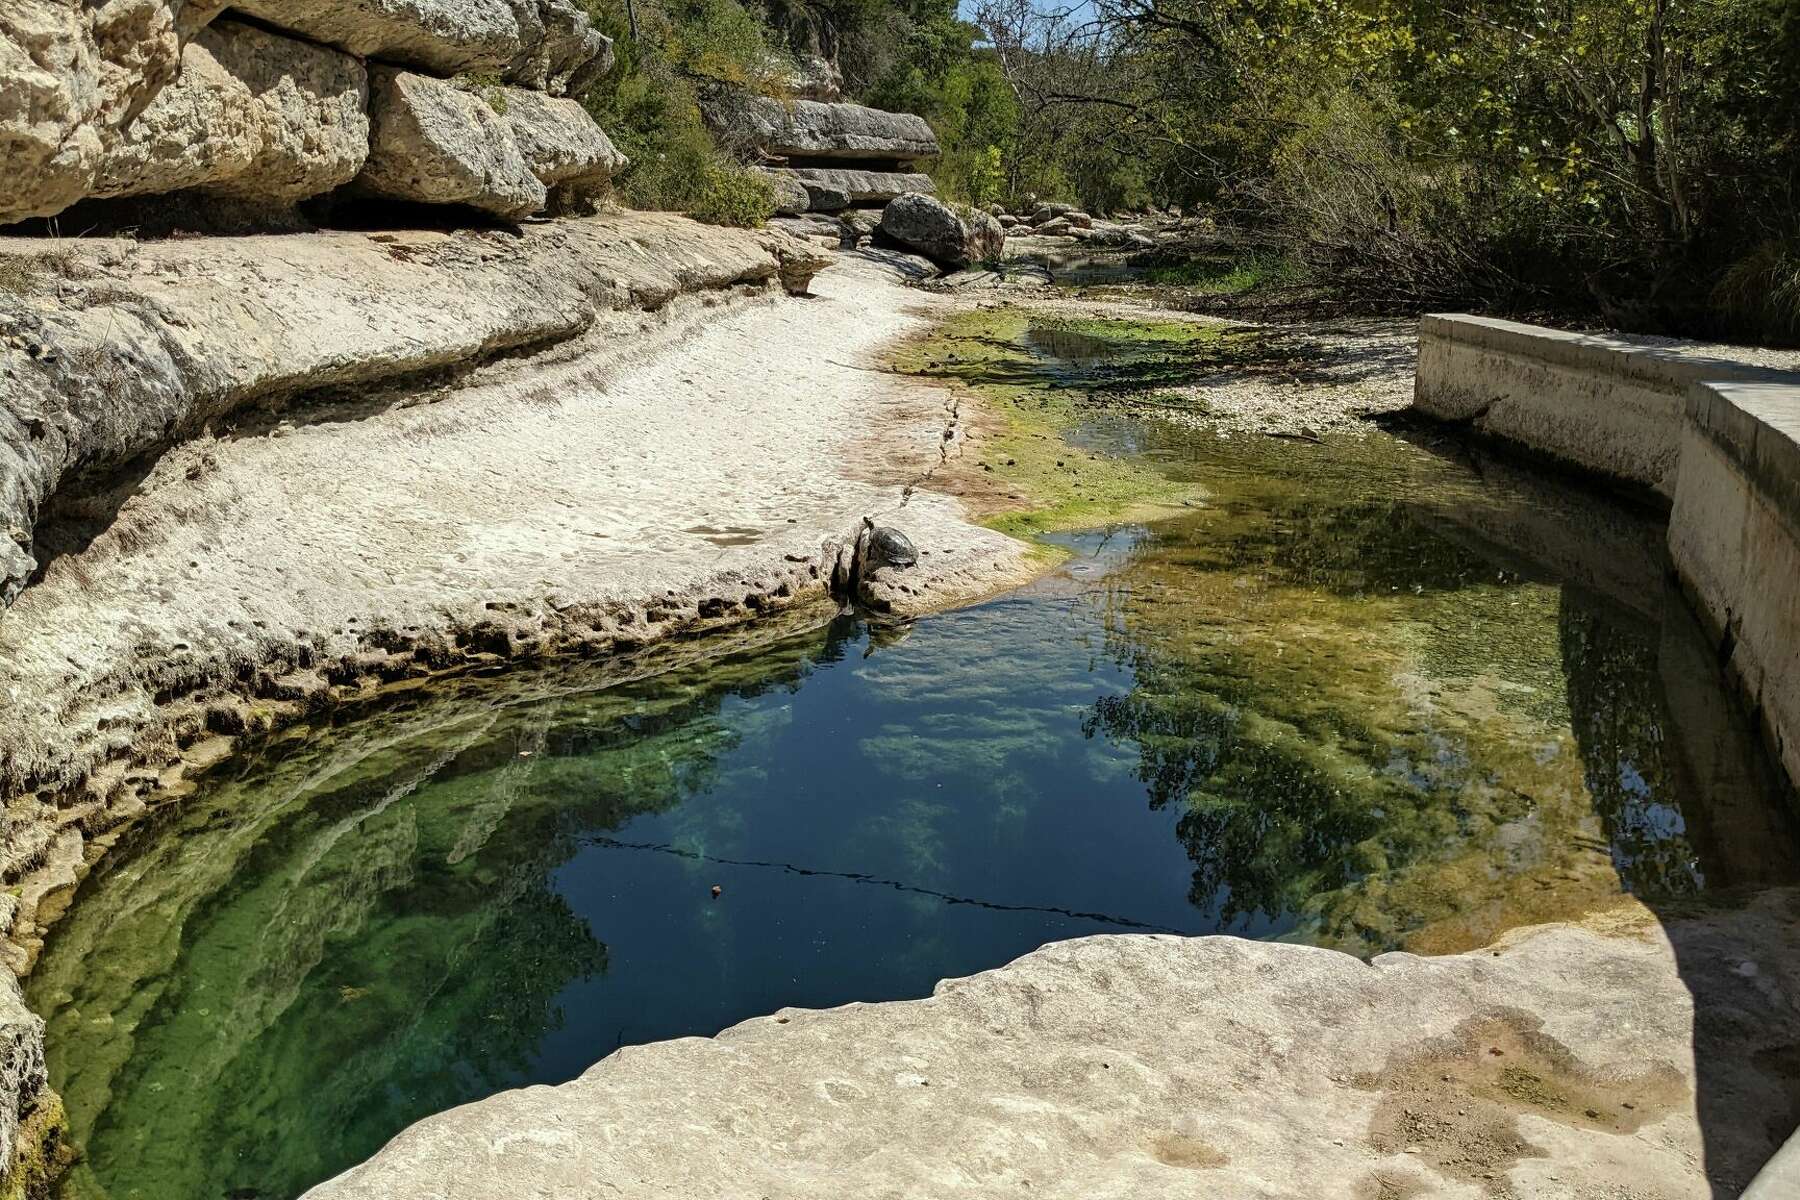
(1636, 160)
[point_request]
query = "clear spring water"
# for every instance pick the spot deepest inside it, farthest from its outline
(1368, 695)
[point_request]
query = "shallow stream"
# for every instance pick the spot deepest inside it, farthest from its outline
(1372, 694)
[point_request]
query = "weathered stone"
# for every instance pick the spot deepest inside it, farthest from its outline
(558, 139)
(1079, 219)
(815, 228)
(1007, 220)
(435, 143)
(545, 44)
(1054, 227)
(814, 78)
(987, 239)
(932, 227)
(859, 186)
(75, 75)
(113, 349)
(1562, 1062)
(791, 197)
(22, 1079)
(253, 115)
(814, 129)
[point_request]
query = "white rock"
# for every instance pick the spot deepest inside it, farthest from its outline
(253, 115)
(436, 143)
(546, 44)
(72, 76)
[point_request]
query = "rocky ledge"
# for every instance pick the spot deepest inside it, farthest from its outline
(241, 113)
(1563, 1061)
(233, 530)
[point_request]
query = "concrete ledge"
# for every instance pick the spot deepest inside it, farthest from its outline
(1609, 404)
(1734, 535)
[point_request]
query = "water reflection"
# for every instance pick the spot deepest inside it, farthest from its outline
(1329, 705)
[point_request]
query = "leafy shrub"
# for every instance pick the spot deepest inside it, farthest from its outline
(730, 194)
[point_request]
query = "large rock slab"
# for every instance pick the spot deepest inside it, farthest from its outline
(432, 142)
(499, 149)
(75, 75)
(816, 129)
(558, 139)
(859, 186)
(1562, 1062)
(253, 116)
(546, 44)
(113, 349)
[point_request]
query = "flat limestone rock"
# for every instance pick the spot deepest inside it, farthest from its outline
(253, 116)
(859, 186)
(432, 142)
(75, 75)
(817, 129)
(546, 44)
(1560, 1062)
(111, 349)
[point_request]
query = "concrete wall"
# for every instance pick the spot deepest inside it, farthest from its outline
(1734, 535)
(1608, 404)
(1719, 436)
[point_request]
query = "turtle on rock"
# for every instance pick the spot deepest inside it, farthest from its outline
(885, 546)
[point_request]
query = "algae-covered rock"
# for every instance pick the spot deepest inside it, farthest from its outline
(22, 1086)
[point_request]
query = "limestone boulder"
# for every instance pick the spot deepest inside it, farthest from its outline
(1054, 227)
(791, 197)
(550, 45)
(816, 129)
(987, 237)
(933, 228)
(860, 186)
(433, 142)
(253, 116)
(558, 139)
(72, 77)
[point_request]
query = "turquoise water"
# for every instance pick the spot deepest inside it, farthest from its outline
(1369, 695)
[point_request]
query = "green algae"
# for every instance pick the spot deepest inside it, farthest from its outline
(1039, 394)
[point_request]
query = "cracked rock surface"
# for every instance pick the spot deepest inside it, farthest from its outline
(1565, 1061)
